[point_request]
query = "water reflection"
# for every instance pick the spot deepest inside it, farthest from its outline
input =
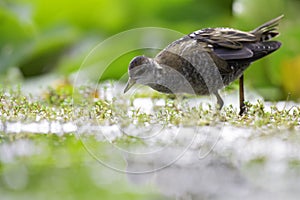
(221, 162)
(41, 127)
(209, 178)
(229, 171)
(207, 162)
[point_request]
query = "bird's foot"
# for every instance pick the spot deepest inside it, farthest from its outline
(243, 109)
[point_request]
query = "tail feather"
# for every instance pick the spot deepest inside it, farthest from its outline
(268, 30)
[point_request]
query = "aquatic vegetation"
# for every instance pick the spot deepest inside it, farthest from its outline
(84, 105)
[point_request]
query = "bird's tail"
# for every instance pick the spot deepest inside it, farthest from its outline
(268, 30)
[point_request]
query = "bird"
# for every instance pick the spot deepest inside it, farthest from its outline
(205, 61)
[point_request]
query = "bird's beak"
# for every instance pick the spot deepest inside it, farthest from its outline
(129, 84)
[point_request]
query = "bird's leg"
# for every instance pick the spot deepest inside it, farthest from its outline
(219, 100)
(242, 97)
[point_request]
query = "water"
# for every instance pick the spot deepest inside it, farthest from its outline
(223, 162)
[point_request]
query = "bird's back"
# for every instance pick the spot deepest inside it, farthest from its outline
(228, 50)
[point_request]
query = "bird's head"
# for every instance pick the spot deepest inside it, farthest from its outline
(140, 70)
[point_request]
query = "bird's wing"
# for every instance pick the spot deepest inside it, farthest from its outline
(233, 54)
(223, 37)
(250, 51)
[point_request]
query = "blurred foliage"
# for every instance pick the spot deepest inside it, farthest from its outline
(55, 36)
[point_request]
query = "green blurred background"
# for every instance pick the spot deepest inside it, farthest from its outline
(53, 37)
